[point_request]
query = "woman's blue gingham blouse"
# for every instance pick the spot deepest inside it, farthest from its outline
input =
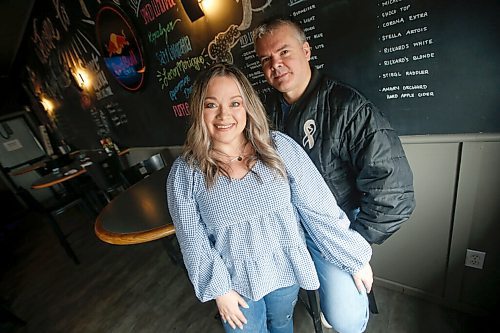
(246, 235)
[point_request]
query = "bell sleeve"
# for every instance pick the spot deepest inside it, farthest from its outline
(206, 270)
(324, 221)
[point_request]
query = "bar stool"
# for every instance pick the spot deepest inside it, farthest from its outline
(313, 309)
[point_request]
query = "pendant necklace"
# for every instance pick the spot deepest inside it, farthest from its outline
(238, 158)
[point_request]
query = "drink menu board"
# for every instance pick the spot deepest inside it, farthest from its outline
(431, 66)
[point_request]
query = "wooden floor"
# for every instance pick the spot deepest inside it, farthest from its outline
(137, 289)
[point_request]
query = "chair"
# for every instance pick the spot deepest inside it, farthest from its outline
(107, 176)
(144, 168)
(54, 207)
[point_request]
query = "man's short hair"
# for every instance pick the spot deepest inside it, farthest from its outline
(271, 24)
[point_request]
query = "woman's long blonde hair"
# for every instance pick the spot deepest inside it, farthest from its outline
(198, 145)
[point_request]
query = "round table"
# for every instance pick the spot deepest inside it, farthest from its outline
(137, 215)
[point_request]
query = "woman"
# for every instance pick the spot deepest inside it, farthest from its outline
(238, 197)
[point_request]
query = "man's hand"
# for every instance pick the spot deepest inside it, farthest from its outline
(363, 279)
(229, 310)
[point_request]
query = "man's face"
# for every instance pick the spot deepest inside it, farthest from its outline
(285, 61)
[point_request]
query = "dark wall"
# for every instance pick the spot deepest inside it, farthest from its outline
(431, 66)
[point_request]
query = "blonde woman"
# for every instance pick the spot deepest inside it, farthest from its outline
(239, 197)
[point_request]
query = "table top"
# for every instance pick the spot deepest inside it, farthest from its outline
(75, 168)
(137, 215)
(65, 173)
(29, 168)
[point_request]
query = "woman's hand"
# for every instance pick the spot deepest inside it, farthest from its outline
(229, 310)
(363, 279)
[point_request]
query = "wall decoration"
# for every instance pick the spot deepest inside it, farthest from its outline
(120, 47)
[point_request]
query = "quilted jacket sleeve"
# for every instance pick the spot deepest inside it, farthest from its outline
(383, 175)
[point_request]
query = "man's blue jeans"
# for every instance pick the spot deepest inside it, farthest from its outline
(273, 313)
(341, 303)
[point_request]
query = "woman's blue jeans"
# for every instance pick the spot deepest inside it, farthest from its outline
(273, 313)
(341, 303)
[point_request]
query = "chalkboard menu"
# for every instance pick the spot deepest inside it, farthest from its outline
(433, 67)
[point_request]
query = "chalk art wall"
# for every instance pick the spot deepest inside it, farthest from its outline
(124, 69)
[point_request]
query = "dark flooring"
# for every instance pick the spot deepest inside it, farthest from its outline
(136, 288)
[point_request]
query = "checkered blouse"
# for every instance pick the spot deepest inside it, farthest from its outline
(246, 235)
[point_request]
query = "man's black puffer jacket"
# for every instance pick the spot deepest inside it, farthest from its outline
(356, 150)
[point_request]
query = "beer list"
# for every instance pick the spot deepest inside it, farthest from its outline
(406, 49)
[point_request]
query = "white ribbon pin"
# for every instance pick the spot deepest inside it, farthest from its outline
(309, 129)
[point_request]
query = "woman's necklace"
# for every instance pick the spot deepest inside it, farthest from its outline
(231, 159)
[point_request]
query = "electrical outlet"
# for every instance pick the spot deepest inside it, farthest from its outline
(474, 259)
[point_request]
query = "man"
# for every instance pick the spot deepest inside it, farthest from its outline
(352, 144)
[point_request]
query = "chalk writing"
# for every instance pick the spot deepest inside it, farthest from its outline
(254, 65)
(88, 42)
(418, 16)
(389, 75)
(423, 42)
(178, 87)
(44, 42)
(164, 75)
(309, 16)
(390, 36)
(396, 48)
(393, 22)
(406, 37)
(155, 8)
(174, 51)
(246, 40)
(304, 10)
(248, 55)
(416, 30)
(255, 75)
(100, 83)
(61, 14)
(134, 4)
(105, 92)
(294, 2)
(389, 2)
(162, 31)
(389, 13)
(308, 19)
(99, 118)
(85, 11)
(116, 114)
(392, 88)
(423, 56)
(417, 72)
(181, 110)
